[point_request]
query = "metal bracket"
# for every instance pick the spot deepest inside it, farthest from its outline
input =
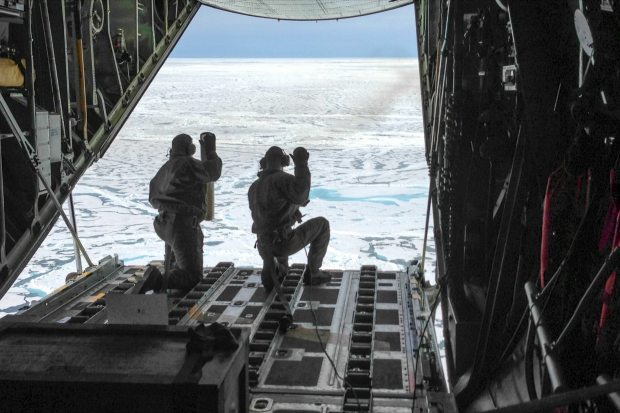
(509, 78)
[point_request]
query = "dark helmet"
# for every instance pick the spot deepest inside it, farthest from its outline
(182, 145)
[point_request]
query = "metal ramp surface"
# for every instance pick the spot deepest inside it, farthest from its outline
(367, 321)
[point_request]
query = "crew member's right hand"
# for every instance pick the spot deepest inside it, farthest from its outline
(300, 156)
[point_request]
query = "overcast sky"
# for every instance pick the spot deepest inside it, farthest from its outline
(214, 33)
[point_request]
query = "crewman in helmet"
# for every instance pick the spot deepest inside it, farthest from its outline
(275, 198)
(178, 193)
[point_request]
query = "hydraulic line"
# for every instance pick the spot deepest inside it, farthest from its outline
(78, 257)
(166, 14)
(79, 46)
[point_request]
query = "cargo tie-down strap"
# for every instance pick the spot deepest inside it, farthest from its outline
(203, 342)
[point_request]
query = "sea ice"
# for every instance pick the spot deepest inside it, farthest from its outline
(361, 121)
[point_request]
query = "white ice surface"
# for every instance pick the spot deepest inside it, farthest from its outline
(360, 120)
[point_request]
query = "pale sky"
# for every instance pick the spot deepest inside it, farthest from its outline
(215, 33)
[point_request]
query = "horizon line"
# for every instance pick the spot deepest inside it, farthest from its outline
(295, 57)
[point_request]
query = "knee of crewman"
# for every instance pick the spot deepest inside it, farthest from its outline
(324, 222)
(195, 277)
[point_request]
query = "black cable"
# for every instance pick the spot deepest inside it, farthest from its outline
(318, 336)
(422, 335)
(529, 360)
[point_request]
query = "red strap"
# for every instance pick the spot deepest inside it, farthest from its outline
(610, 285)
(588, 189)
(608, 227)
(579, 187)
(610, 220)
(546, 226)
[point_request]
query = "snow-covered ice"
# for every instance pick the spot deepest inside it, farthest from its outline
(361, 121)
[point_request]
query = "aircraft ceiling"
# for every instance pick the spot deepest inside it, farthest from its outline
(306, 9)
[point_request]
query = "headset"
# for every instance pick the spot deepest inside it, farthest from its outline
(191, 149)
(285, 160)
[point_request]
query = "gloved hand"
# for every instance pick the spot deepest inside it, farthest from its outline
(300, 156)
(297, 216)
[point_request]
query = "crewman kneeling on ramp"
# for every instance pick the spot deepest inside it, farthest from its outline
(178, 193)
(275, 198)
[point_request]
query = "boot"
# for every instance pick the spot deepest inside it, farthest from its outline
(265, 277)
(317, 277)
(224, 339)
(281, 270)
(152, 280)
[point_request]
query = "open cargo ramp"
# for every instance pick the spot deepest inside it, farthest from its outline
(369, 323)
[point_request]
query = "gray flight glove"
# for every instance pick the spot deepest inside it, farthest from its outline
(300, 156)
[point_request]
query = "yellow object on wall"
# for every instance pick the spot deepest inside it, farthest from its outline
(10, 74)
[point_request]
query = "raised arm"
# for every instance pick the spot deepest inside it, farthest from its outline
(209, 170)
(297, 188)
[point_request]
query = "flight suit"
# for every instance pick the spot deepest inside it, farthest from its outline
(178, 192)
(274, 199)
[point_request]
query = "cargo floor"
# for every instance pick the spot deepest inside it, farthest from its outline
(367, 322)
